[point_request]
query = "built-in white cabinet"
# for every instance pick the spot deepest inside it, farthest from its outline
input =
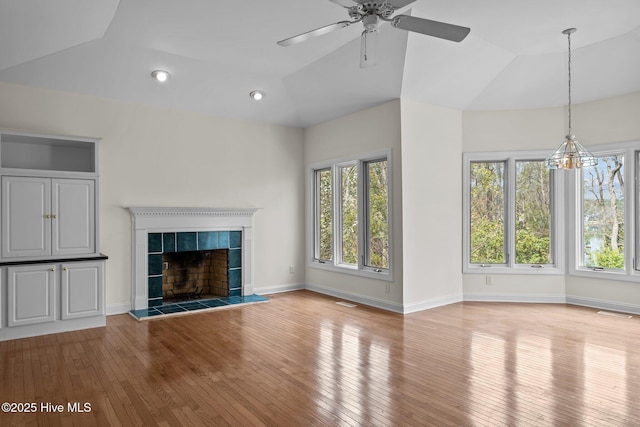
(51, 271)
(44, 217)
(82, 290)
(53, 292)
(31, 294)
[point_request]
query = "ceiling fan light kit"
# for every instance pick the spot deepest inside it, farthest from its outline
(570, 154)
(370, 13)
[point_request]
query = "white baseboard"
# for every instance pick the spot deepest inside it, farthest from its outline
(530, 298)
(362, 299)
(603, 304)
(266, 290)
(432, 303)
(118, 309)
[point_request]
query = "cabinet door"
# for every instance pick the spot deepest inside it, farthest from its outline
(82, 290)
(73, 216)
(26, 216)
(31, 294)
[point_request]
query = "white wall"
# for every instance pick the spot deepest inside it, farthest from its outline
(599, 122)
(367, 131)
(432, 205)
(159, 157)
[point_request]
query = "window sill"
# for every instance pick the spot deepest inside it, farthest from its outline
(607, 275)
(525, 270)
(385, 275)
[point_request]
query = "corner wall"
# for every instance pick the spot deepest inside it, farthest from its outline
(375, 129)
(432, 205)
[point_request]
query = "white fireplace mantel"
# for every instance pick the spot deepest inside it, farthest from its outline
(157, 219)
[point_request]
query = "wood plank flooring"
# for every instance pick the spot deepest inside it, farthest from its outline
(301, 360)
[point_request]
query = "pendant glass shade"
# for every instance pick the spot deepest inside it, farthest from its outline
(570, 155)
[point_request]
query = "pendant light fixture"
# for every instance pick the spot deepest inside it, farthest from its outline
(570, 154)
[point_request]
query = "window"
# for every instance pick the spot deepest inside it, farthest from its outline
(608, 214)
(603, 217)
(324, 215)
(487, 206)
(510, 213)
(351, 216)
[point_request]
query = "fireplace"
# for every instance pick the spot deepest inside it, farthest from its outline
(195, 275)
(182, 253)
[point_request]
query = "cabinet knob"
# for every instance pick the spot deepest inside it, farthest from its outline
(52, 269)
(54, 216)
(47, 216)
(65, 268)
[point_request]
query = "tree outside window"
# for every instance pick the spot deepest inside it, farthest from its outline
(509, 206)
(603, 217)
(351, 216)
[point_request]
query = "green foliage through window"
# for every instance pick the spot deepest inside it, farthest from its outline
(325, 214)
(603, 213)
(487, 213)
(351, 214)
(378, 213)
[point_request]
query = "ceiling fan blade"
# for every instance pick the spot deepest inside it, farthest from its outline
(314, 33)
(441, 30)
(399, 4)
(345, 3)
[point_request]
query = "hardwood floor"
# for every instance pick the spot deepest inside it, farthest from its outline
(301, 359)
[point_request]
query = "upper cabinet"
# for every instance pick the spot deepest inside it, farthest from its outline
(29, 152)
(43, 217)
(49, 188)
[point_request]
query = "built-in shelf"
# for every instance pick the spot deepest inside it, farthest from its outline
(47, 153)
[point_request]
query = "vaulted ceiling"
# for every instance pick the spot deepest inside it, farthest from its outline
(217, 52)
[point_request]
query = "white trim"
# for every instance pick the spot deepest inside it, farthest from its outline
(362, 299)
(55, 327)
(138, 211)
(526, 298)
(118, 309)
(432, 303)
(276, 289)
(603, 304)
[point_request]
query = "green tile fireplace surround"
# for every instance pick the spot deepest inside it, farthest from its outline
(183, 242)
(164, 231)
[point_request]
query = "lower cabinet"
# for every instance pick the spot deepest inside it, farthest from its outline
(81, 290)
(45, 298)
(31, 294)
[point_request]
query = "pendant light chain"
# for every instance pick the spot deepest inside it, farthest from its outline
(570, 154)
(569, 66)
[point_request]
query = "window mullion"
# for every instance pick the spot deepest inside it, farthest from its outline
(363, 221)
(337, 215)
(510, 212)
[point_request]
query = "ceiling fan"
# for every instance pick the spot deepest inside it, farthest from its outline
(370, 13)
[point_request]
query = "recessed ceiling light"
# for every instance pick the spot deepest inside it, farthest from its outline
(160, 75)
(256, 95)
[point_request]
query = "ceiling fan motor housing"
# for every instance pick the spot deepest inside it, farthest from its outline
(371, 8)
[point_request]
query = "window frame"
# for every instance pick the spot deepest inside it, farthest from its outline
(336, 264)
(557, 214)
(631, 271)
